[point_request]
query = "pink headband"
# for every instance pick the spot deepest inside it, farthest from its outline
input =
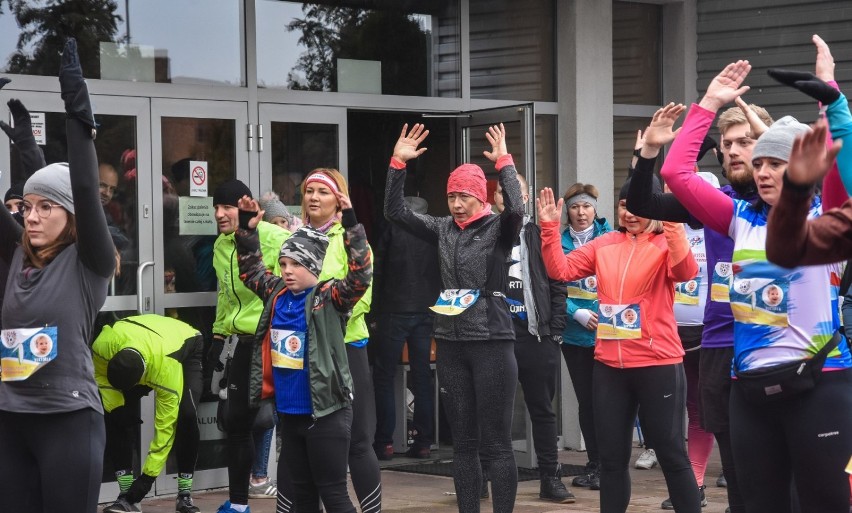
(323, 179)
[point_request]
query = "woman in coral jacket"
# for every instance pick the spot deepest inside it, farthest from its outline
(638, 355)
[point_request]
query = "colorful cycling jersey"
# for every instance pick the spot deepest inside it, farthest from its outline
(691, 295)
(779, 314)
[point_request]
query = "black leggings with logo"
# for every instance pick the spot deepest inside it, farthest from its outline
(661, 392)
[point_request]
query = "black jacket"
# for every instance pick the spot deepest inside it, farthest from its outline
(548, 295)
(405, 276)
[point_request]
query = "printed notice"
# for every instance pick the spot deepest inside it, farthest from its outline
(197, 216)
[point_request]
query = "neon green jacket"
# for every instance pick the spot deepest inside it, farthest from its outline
(335, 265)
(157, 339)
(237, 308)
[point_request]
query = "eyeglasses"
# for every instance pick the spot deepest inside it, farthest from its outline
(43, 208)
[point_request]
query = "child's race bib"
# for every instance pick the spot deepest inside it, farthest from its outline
(455, 301)
(686, 292)
(720, 285)
(288, 349)
(586, 288)
(760, 301)
(26, 350)
(619, 322)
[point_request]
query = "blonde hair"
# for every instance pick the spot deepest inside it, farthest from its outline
(735, 116)
(332, 173)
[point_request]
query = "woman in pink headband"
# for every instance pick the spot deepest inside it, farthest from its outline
(321, 210)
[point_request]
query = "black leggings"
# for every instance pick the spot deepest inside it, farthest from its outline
(315, 456)
(661, 393)
(538, 366)
(51, 462)
(363, 464)
(240, 444)
(120, 423)
(807, 437)
(477, 380)
(581, 363)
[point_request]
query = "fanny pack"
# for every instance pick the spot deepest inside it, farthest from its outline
(772, 384)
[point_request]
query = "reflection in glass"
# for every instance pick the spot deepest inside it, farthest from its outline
(513, 49)
(141, 41)
(546, 166)
(411, 50)
(188, 255)
(117, 183)
(297, 148)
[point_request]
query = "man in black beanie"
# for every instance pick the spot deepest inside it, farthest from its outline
(237, 314)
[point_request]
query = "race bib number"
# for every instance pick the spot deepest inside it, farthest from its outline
(586, 288)
(288, 349)
(720, 285)
(619, 322)
(686, 292)
(455, 301)
(760, 301)
(26, 350)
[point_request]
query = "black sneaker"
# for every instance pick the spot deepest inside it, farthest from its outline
(183, 503)
(121, 506)
(553, 489)
(667, 504)
(590, 475)
(722, 482)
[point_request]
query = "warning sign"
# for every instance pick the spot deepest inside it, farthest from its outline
(198, 178)
(39, 129)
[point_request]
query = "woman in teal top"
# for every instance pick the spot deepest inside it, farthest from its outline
(578, 338)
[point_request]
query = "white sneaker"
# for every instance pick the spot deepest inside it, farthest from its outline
(263, 490)
(647, 460)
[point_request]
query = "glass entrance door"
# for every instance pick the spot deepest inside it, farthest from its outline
(196, 146)
(292, 141)
(520, 138)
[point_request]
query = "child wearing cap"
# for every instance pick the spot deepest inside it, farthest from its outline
(313, 380)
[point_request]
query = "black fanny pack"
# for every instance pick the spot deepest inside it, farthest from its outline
(772, 384)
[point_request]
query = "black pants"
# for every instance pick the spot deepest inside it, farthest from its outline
(807, 437)
(538, 365)
(395, 329)
(241, 417)
(120, 422)
(581, 362)
(363, 464)
(660, 391)
(51, 462)
(316, 458)
(478, 379)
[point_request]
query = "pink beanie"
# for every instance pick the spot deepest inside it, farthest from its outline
(468, 179)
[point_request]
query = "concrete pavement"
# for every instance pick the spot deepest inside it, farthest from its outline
(409, 493)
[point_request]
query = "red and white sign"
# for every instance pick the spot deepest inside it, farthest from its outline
(198, 178)
(39, 128)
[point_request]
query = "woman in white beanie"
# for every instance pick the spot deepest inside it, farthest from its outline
(791, 396)
(51, 419)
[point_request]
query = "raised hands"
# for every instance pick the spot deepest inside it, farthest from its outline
(405, 148)
(755, 124)
(812, 85)
(343, 200)
(247, 207)
(824, 60)
(496, 136)
(548, 208)
(726, 86)
(75, 93)
(810, 160)
(659, 132)
(21, 117)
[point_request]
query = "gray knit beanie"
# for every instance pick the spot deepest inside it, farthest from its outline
(273, 208)
(777, 141)
(306, 246)
(54, 183)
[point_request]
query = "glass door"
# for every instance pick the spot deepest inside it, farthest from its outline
(196, 145)
(292, 141)
(520, 141)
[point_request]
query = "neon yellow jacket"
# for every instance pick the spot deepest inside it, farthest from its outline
(335, 265)
(157, 339)
(237, 308)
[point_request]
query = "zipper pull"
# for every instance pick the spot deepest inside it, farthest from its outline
(801, 368)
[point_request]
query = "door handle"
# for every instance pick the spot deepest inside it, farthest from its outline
(143, 304)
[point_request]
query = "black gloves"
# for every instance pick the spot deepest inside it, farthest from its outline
(23, 128)
(3, 82)
(244, 216)
(75, 93)
(807, 83)
(139, 489)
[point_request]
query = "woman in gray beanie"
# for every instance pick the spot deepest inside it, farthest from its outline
(785, 324)
(51, 419)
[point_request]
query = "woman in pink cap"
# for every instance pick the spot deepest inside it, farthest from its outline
(473, 328)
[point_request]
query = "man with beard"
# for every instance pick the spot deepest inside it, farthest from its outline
(737, 125)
